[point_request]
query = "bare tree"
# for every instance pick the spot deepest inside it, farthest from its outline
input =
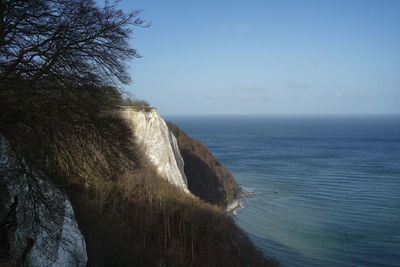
(72, 41)
(61, 64)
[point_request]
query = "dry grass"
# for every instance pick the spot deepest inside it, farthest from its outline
(142, 220)
(127, 213)
(207, 177)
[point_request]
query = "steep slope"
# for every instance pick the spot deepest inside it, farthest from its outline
(158, 144)
(37, 222)
(207, 177)
(138, 215)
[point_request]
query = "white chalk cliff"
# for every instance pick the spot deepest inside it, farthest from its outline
(43, 230)
(158, 143)
(40, 223)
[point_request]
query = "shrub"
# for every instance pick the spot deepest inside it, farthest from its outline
(136, 103)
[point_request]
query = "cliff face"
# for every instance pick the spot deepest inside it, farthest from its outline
(127, 228)
(207, 177)
(37, 222)
(158, 144)
(181, 160)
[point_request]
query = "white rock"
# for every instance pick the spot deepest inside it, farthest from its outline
(158, 143)
(46, 217)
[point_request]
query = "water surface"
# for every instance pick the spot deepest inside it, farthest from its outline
(326, 189)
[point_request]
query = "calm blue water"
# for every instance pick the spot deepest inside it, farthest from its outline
(337, 182)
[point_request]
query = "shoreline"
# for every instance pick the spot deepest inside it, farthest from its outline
(233, 206)
(237, 203)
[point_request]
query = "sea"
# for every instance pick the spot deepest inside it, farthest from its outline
(325, 190)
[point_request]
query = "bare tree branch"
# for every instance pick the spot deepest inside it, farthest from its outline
(71, 41)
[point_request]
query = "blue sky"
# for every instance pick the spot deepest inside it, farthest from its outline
(268, 57)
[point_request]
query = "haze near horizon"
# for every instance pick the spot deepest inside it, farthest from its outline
(268, 57)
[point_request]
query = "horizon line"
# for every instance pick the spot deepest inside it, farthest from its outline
(283, 114)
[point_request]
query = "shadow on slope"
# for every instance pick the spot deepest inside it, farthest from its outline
(207, 177)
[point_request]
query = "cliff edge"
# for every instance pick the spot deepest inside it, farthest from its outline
(158, 144)
(37, 221)
(207, 177)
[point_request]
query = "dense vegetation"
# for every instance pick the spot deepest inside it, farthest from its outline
(207, 178)
(61, 62)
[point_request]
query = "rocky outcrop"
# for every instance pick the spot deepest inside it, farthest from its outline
(158, 144)
(37, 222)
(207, 177)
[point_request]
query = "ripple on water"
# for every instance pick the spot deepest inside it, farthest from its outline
(337, 183)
